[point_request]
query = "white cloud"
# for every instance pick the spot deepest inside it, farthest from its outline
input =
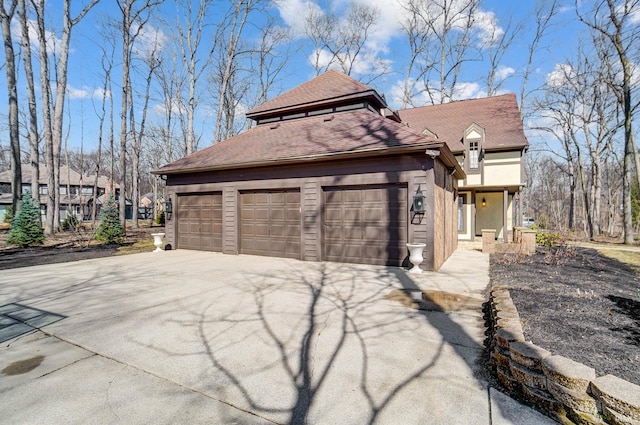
(162, 109)
(52, 41)
(504, 72)
(489, 31)
(560, 75)
(293, 13)
(86, 93)
(148, 40)
(470, 90)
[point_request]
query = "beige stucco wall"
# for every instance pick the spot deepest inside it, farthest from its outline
(502, 168)
(490, 216)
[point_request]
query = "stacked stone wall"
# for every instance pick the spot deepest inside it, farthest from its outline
(567, 390)
(524, 242)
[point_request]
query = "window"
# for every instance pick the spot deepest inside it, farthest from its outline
(461, 213)
(26, 188)
(5, 187)
(87, 190)
(63, 190)
(44, 190)
(473, 155)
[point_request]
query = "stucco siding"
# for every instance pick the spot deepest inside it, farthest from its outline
(503, 168)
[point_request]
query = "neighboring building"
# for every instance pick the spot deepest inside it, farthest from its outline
(488, 140)
(76, 192)
(328, 174)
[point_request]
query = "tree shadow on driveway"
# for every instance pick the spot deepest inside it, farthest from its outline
(326, 347)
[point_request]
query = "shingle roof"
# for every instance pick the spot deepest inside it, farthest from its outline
(359, 131)
(329, 87)
(67, 175)
(498, 115)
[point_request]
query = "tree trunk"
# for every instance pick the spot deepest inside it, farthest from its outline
(12, 91)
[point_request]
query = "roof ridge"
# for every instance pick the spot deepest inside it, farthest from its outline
(331, 85)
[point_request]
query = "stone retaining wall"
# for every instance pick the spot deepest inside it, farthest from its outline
(567, 390)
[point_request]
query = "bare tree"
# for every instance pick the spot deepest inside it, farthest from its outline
(190, 30)
(107, 67)
(341, 43)
(440, 42)
(53, 113)
(544, 13)
(6, 14)
(229, 36)
(612, 19)
(34, 137)
(497, 44)
(135, 15)
(139, 134)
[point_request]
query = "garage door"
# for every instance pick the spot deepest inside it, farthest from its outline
(200, 221)
(366, 225)
(270, 223)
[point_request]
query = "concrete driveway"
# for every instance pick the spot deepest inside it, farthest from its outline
(195, 337)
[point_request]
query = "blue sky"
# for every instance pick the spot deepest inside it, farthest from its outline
(85, 74)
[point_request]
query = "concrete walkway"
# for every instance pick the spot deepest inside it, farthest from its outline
(184, 337)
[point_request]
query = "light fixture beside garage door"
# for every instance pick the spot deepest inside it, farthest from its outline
(418, 202)
(168, 208)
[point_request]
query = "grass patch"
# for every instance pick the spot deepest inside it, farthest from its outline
(631, 258)
(137, 247)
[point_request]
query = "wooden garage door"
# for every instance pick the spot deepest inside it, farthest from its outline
(270, 223)
(365, 224)
(200, 221)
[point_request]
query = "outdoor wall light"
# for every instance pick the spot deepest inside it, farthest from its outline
(484, 202)
(168, 208)
(418, 202)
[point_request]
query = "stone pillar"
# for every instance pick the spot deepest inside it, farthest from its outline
(528, 244)
(488, 240)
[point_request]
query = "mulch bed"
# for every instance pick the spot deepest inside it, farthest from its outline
(63, 247)
(579, 304)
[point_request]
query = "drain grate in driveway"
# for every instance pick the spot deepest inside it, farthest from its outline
(17, 319)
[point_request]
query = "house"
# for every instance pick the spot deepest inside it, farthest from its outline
(76, 191)
(329, 173)
(488, 141)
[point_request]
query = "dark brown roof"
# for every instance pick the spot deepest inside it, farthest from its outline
(67, 176)
(499, 116)
(325, 136)
(329, 88)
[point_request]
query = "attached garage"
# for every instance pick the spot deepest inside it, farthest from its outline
(199, 217)
(328, 173)
(365, 224)
(270, 223)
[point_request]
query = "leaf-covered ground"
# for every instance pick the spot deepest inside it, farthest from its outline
(577, 303)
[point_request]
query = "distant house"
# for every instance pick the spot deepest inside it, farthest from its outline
(76, 192)
(487, 139)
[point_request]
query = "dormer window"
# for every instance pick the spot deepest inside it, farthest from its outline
(473, 141)
(473, 154)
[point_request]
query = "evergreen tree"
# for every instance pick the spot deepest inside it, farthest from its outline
(26, 227)
(110, 230)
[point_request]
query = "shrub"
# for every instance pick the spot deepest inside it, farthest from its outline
(160, 218)
(70, 222)
(110, 230)
(26, 227)
(8, 215)
(547, 239)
